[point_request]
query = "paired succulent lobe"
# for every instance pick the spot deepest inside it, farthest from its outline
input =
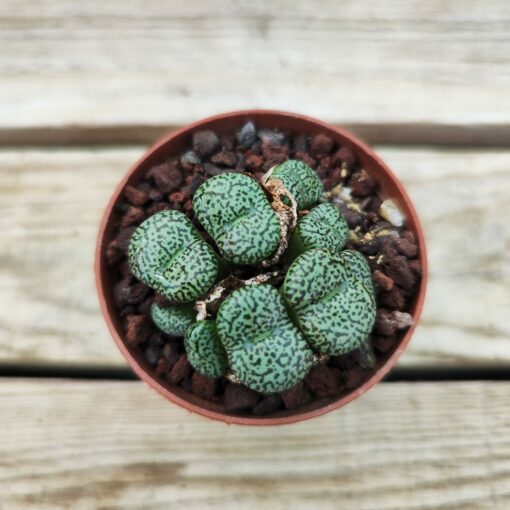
(265, 349)
(323, 227)
(167, 253)
(235, 211)
(173, 320)
(204, 349)
(300, 180)
(332, 299)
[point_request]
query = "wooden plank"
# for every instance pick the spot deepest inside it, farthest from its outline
(50, 207)
(417, 71)
(118, 445)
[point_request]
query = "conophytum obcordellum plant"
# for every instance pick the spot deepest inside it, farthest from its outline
(266, 337)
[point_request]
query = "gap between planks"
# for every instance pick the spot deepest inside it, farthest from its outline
(479, 135)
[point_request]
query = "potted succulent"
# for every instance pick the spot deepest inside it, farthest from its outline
(261, 267)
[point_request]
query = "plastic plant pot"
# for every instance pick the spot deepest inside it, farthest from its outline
(174, 144)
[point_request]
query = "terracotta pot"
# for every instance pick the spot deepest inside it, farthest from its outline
(173, 145)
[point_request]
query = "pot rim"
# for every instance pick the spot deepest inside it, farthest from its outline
(249, 420)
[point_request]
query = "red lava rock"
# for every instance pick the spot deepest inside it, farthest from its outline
(203, 386)
(162, 367)
(254, 162)
(124, 238)
(362, 184)
(406, 247)
(321, 145)
(344, 155)
(136, 196)
(188, 206)
(127, 294)
(225, 158)
(180, 370)
(296, 396)
(353, 378)
(268, 405)
(385, 282)
(392, 299)
(205, 142)
(397, 268)
(415, 267)
(228, 142)
(384, 343)
(145, 306)
(167, 176)
(305, 158)
(178, 196)
(325, 164)
(195, 182)
(259, 176)
(324, 381)
(239, 398)
(133, 216)
(408, 235)
(158, 207)
(137, 329)
(114, 253)
(384, 323)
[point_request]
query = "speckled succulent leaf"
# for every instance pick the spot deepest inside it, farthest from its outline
(323, 227)
(301, 180)
(175, 319)
(235, 211)
(204, 349)
(265, 350)
(332, 299)
(167, 253)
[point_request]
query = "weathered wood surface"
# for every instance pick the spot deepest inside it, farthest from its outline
(98, 445)
(123, 70)
(50, 206)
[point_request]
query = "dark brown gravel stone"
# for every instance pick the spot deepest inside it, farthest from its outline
(397, 268)
(114, 253)
(254, 162)
(321, 145)
(268, 405)
(385, 282)
(162, 367)
(354, 377)
(203, 386)
(180, 370)
(296, 396)
(205, 142)
(415, 267)
(152, 354)
(136, 196)
(300, 143)
(212, 170)
(407, 248)
(344, 155)
(145, 306)
(324, 381)
(133, 216)
(306, 158)
(158, 207)
(384, 343)
(239, 398)
(225, 158)
(392, 299)
(126, 293)
(137, 329)
(362, 184)
(167, 176)
(124, 238)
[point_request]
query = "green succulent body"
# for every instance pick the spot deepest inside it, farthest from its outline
(332, 299)
(235, 211)
(265, 350)
(323, 227)
(300, 180)
(173, 320)
(205, 351)
(167, 253)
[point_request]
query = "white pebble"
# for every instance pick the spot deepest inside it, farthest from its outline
(389, 211)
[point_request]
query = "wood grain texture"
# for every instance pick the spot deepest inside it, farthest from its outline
(101, 446)
(413, 68)
(51, 202)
